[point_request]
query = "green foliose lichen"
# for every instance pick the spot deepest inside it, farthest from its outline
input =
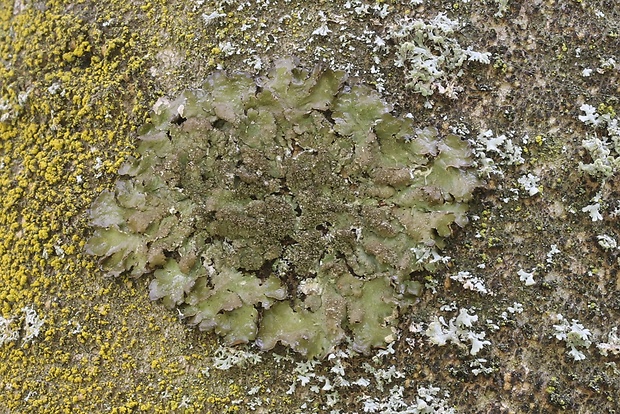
(292, 208)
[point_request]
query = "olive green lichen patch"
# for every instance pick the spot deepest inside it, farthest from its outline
(291, 208)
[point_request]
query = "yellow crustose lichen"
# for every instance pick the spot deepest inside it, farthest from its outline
(70, 101)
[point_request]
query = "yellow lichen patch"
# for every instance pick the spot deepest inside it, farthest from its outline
(74, 87)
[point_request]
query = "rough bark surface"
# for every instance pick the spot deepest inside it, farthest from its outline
(521, 319)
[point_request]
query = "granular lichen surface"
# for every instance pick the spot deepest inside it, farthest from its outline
(77, 80)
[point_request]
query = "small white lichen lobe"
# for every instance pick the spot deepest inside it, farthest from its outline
(457, 330)
(431, 56)
(574, 334)
(604, 150)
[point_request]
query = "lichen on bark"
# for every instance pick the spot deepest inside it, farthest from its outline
(290, 208)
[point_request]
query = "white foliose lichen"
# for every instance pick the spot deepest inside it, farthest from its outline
(494, 151)
(29, 324)
(225, 358)
(8, 333)
(529, 183)
(428, 401)
(594, 211)
(32, 324)
(551, 253)
(526, 277)
(612, 345)
(471, 282)
(479, 366)
(426, 255)
(604, 150)
(607, 64)
(431, 55)
(516, 308)
(457, 330)
(574, 334)
(503, 7)
(607, 242)
(11, 108)
(325, 383)
(211, 17)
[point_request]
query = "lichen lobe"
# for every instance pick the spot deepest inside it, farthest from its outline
(285, 209)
